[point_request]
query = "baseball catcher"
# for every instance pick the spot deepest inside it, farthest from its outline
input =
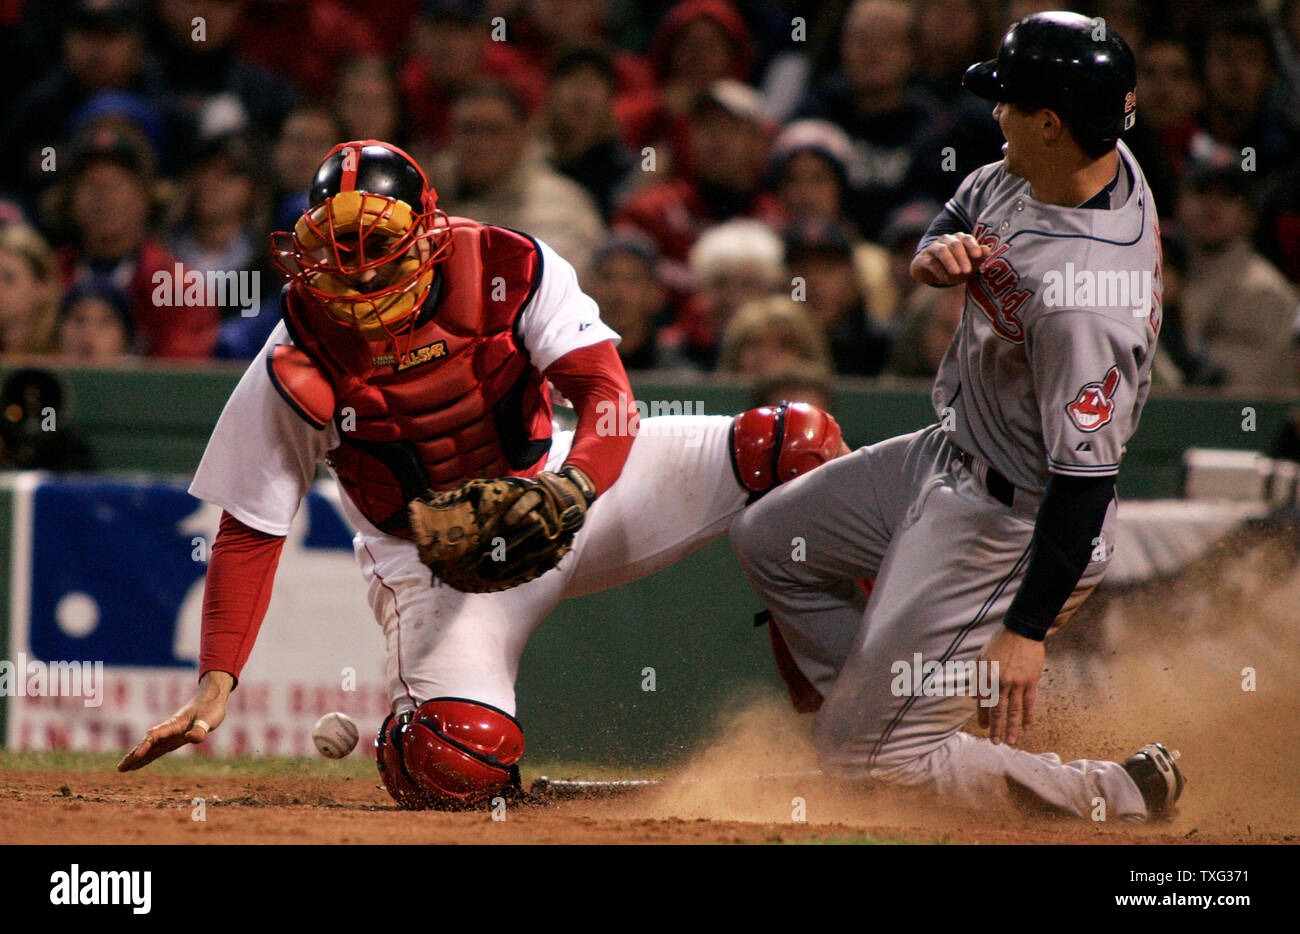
(417, 358)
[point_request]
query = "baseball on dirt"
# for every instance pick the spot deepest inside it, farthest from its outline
(335, 735)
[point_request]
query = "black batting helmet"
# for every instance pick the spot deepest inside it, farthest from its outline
(1078, 67)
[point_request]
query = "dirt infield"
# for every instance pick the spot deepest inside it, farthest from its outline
(100, 807)
(1207, 664)
(1240, 791)
(1242, 788)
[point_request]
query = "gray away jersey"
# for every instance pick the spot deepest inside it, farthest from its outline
(1051, 362)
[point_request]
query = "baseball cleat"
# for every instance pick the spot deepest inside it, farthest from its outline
(1154, 769)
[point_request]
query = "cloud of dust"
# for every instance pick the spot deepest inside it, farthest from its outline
(1176, 663)
(1166, 661)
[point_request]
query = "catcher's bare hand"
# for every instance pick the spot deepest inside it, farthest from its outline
(1020, 663)
(191, 724)
(949, 260)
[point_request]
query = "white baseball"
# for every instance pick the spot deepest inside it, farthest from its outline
(335, 735)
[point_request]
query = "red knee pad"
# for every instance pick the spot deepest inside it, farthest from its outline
(451, 753)
(774, 444)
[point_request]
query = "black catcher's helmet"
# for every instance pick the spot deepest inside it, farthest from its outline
(367, 244)
(1078, 67)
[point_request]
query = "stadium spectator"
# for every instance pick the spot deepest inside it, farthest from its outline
(107, 207)
(929, 320)
(820, 258)
(733, 263)
(29, 292)
(801, 382)
(1240, 68)
(808, 170)
(103, 49)
(582, 132)
(871, 100)
(730, 140)
(327, 34)
(221, 221)
(949, 35)
(697, 44)
(146, 114)
(1235, 304)
(1286, 43)
(1278, 237)
(451, 49)
(962, 134)
(493, 171)
(887, 288)
(770, 334)
(209, 88)
(550, 30)
(368, 103)
(308, 132)
(625, 284)
(1169, 98)
(1191, 365)
(95, 325)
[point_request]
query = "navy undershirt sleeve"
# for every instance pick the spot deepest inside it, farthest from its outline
(1069, 520)
(945, 222)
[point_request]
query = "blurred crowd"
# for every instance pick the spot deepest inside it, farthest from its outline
(741, 186)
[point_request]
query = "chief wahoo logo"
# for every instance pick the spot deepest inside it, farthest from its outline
(1094, 405)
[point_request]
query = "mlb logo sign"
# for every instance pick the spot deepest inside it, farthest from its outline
(110, 565)
(104, 620)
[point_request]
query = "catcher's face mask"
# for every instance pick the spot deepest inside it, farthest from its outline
(368, 244)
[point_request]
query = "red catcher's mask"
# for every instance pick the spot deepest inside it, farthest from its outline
(368, 244)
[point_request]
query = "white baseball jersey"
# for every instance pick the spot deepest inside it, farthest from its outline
(1051, 363)
(441, 643)
(262, 457)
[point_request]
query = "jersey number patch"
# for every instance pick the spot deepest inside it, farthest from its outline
(1094, 405)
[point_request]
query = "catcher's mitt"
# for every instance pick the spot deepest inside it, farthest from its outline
(490, 535)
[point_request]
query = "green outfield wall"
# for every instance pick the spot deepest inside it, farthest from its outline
(687, 632)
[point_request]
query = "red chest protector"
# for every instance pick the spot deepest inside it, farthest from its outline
(463, 401)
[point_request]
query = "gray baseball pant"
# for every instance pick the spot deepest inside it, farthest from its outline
(947, 559)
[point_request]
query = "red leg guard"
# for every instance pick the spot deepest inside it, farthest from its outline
(771, 445)
(388, 756)
(450, 754)
(803, 696)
